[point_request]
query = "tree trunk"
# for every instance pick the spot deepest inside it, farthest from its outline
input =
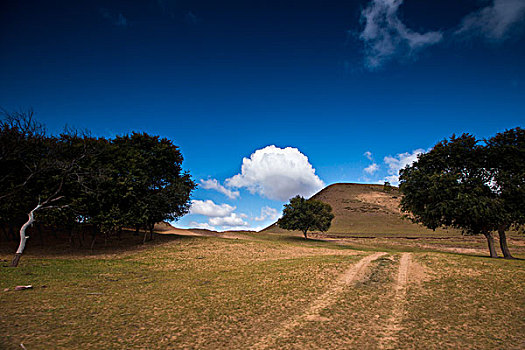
(148, 229)
(16, 259)
(503, 243)
(94, 236)
(304, 233)
(145, 236)
(23, 237)
(490, 241)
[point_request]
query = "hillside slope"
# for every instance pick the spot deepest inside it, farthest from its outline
(364, 209)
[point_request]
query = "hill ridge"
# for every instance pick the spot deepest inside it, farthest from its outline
(366, 209)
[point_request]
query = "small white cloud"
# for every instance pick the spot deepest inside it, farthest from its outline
(212, 184)
(399, 162)
(204, 225)
(368, 155)
(209, 208)
(267, 213)
(385, 36)
(372, 168)
(277, 173)
(229, 221)
(240, 228)
(493, 21)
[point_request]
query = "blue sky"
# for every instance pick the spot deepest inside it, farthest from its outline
(309, 93)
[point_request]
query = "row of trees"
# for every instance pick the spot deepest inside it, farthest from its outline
(76, 180)
(477, 186)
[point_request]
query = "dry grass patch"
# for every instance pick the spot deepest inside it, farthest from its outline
(206, 292)
(189, 293)
(477, 303)
(354, 321)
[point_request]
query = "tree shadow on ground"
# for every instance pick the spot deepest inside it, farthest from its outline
(128, 242)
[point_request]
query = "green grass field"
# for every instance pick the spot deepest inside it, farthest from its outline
(265, 291)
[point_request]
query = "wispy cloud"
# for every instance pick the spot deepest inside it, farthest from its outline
(213, 184)
(372, 168)
(117, 19)
(493, 21)
(167, 7)
(399, 162)
(191, 18)
(267, 213)
(385, 36)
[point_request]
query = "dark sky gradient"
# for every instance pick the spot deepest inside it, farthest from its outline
(224, 79)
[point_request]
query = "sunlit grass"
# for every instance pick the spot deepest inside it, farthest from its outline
(201, 292)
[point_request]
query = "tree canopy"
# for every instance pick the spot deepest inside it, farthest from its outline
(74, 181)
(306, 215)
(475, 186)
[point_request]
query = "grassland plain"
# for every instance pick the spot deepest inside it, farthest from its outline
(187, 292)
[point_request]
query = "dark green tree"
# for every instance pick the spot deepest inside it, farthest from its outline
(74, 180)
(38, 172)
(152, 185)
(453, 185)
(306, 215)
(505, 156)
(22, 149)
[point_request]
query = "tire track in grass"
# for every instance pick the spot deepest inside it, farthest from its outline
(322, 302)
(393, 325)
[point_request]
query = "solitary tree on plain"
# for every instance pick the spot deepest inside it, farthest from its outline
(306, 215)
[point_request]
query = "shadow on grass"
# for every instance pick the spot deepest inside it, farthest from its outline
(56, 248)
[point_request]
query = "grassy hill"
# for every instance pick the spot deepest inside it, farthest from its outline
(364, 209)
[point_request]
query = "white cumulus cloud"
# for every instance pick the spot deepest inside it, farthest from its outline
(385, 36)
(398, 162)
(231, 220)
(267, 213)
(209, 208)
(277, 173)
(494, 20)
(368, 155)
(213, 184)
(372, 168)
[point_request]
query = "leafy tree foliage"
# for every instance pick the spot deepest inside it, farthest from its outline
(306, 215)
(151, 179)
(506, 161)
(463, 184)
(74, 181)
